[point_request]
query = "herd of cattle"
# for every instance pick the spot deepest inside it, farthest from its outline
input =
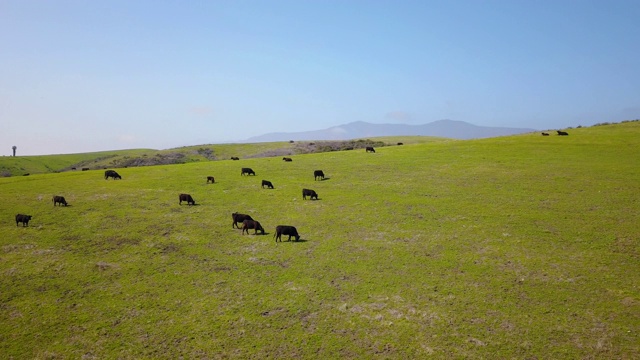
(562, 133)
(247, 222)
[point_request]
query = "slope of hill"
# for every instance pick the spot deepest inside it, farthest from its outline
(20, 165)
(360, 129)
(513, 247)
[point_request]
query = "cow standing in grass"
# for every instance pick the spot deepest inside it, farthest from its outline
(210, 179)
(24, 219)
(59, 200)
(112, 174)
(370, 149)
(318, 174)
(267, 184)
(286, 230)
(247, 171)
(187, 198)
(310, 193)
(239, 218)
(252, 224)
(562, 133)
(287, 159)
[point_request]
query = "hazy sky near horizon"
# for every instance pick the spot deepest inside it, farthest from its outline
(79, 76)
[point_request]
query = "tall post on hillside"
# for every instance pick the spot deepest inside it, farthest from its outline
(14, 150)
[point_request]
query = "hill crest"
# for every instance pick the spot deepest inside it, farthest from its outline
(361, 129)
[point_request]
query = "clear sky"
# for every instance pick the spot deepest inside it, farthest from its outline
(79, 76)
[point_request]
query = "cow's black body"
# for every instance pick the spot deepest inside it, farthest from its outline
(247, 171)
(59, 200)
(112, 174)
(187, 198)
(24, 219)
(252, 224)
(239, 218)
(286, 230)
(310, 193)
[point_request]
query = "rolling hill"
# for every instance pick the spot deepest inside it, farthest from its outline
(521, 246)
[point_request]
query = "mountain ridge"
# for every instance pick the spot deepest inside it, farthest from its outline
(454, 129)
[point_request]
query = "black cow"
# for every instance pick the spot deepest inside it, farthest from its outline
(85, 169)
(267, 183)
(562, 132)
(287, 159)
(400, 143)
(286, 230)
(111, 174)
(59, 200)
(210, 178)
(545, 134)
(370, 149)
(252, 224)
(239, 218)
(235, 158)
(318, 174)
(24, 219)
(187, 198)
(247, 171)
(310, 193)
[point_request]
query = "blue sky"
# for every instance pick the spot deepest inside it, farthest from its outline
(79, 76)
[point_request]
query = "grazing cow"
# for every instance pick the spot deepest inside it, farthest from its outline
(287, 159)
(210, 178)
(310, 193)
(187, 198)
(252, 224)
(235, 158)
(370, 149)
(24, 219)
(286, 230)
(247, 171)
(318, 174)
(85, 169)
(112, 174)
(267, 184)
(562, 132)
(400, 143)
(545, 134)
(27, 174)
(239, 218)
(59, 200)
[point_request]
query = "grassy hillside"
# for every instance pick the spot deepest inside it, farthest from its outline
(514, 247)
(21, 165)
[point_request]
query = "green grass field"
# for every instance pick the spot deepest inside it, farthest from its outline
(520, 247)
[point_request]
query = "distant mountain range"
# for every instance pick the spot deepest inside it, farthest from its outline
(360, 129)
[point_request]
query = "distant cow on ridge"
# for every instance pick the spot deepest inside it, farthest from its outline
(239, 218)
(187, 198)
(267, 184)
(310, 193)
(562, 132)
(318, 174)
(545, 134)
(111, 174)
(252, 224)
(210, 179)
(286, 230)
(287, 159)
(24, 219)
(370, 149)
(235, 158)
(247, 171)
(59, 200)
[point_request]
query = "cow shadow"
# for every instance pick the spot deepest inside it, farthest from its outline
(325, 179)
